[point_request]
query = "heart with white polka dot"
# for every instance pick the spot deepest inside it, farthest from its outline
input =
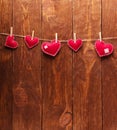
(103, 49)
(51, 48)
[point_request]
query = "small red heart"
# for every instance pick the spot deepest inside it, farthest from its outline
(103, 49)
(51, 48)
(10, 42)
(31, 42)
(75, 45)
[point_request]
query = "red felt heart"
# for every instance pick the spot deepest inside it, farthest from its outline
(75, 45)
(31, 42)
(103, 49)
(51, 48)
(11, 43)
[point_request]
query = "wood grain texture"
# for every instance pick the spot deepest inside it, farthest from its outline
(87, 18)
(57, 72)
(87, 68)
(6, 72)
(109, 66)
(27, 87)
(72, 91)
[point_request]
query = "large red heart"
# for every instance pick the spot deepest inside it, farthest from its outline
(31, 42)
(75, 45)
(10, 42)
(51, 48)
(103, 49)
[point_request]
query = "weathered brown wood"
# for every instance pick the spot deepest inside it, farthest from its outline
(109, 66)
(6, 73)
(57, 72)
(78, 86)
(27, 87)
(87, 68)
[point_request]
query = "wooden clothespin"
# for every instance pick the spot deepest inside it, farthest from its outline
(74, 37)
(100, 36)
(33, 32)
(56, 37)
(11, 31)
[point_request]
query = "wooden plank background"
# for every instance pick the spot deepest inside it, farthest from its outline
(6, 69)
(87, 67)
(27, 103)
(109, 67)
(56, 84)
(72, 91)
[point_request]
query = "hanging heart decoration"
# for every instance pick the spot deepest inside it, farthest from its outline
(31, 42)
(51, 48)
(103, 49)
(75, 46)
(10, 42)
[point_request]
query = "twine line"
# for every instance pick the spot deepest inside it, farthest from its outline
(41, 39)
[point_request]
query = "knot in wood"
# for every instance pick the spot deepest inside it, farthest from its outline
(65, 119)
(20, 97)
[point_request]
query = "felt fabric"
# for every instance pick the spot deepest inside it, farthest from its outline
(51, 48)
(31, 42)
(10, 42)
(75, 46)
(103, 49)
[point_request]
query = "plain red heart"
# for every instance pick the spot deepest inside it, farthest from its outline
(75, 45)
(51, 48)
(10, 42)
(31, 42)
(103, 49)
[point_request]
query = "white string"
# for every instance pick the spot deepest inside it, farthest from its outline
(41, 39)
